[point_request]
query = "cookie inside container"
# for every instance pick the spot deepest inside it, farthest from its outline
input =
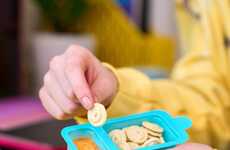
(169, 134)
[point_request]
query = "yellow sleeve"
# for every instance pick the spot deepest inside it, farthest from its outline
(194, 90)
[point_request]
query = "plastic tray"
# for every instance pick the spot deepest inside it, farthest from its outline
(174, 130)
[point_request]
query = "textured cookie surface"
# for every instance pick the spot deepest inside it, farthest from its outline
(136, 134)
(151, 141)
(133, 145)
(118, 136)
(97, 115)
(152, 126)
(125, 146)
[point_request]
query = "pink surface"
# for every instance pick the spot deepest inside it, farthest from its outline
(20, 111)
(21, 144)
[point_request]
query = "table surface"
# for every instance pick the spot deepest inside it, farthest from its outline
(16, 112)
(24, 117)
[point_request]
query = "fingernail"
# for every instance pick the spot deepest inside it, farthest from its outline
(86, 102)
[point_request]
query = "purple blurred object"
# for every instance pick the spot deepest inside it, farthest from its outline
(21, 111)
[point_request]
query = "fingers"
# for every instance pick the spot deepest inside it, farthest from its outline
(51, 106)
(57, 95)
(80, 86)
(65, 88)
(57, 66)
(75, 71)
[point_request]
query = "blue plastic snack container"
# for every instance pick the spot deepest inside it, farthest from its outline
(174, 130)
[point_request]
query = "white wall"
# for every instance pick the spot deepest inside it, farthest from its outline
(163, 19)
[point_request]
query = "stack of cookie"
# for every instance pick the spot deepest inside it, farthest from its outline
(134, 137)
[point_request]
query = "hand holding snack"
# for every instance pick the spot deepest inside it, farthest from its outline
(77, 81)
(74, 82)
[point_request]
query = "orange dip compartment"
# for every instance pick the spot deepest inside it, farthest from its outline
(84, 138)
(85, 143)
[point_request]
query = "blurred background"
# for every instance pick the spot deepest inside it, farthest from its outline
(135, 33)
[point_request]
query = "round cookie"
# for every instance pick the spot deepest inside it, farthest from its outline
(136, 134)
(152, 133)
(118, 136)
(124, 146)
(151, 141)
(133, 145)
(162, 140)
(97, 115)
(153, 127)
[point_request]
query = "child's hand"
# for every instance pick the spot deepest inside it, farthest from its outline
(192, 146)
(75, 80)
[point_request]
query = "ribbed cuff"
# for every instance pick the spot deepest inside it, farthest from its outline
(112, 69)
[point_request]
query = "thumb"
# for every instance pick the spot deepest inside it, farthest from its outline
(80, 87)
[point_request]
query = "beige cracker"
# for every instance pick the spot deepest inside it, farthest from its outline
(97, 115)
(152, 126)
(118, 136)
(133, 145)
(152, 141)
(136, 134)
(124, 146)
